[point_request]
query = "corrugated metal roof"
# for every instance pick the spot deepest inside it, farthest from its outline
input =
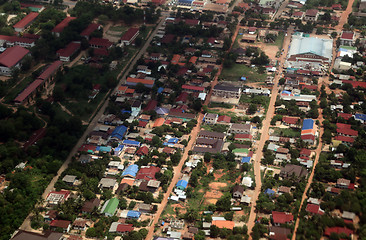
(321, 47)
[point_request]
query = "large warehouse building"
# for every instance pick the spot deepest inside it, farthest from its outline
(309, 53)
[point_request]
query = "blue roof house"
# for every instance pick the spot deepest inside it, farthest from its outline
(269, 192)
(307, 124)
(185, 2)
(131, 171)
(119, 132)
(133, 214)
(245, 160)
(130, 143)
(182, 184)
(105, 149)
(360, 117)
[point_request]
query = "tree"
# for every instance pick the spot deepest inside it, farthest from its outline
(334, 34)
(91, 232)
(207, 157)
(252, 108)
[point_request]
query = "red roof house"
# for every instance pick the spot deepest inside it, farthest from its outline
(243, 137)
(66, 53)
(25, 22)
(282, 217)
(124, 228)
(129, 36)
(11, 58)
(191, 88)
(290, 120)
(100, 43)
(338, 230)
(224, 118)
(344, 139)
(147, 173)
(182, 98)
(57, 30)
(89, 30)
(151, 105)
(305, 152)
(314, 209)
(345, 116)
(142, 151)
(65, 225)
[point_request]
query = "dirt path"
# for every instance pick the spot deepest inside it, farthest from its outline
(344, 16)
(265, 136)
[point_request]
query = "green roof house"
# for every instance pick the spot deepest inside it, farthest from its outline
(110, 207)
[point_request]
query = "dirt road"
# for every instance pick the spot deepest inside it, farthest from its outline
(344, 16)
(264, 135)
(26, 224)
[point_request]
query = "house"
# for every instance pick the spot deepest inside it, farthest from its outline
(59, 28)
(25, 22)
(121, 228)
(63, 224)
(144, 208)
(133, 214)
(279, 233)
(69, 179)
(130, 171)
(107, 183)
(281, 218)
(298, 15)
(89, 30)
(240, 128)
(12, 59)
(269, 192)
(181, 184)
(338, 230)
(226, 91)
(223, 224)
(134, 81)
(243, 137)
(110, 207)
(350, 216)
(290, 121)
(90, 205)
(311, 15)
(291, 170)
(80, 224)
(308, 139)
(67, 53)
(314, 209)
(129, 36)
(147, 173)
(343, 183)
(211, 135)
(47, 235)
(210, 118)
(57, 197)
(100, 43)
(305, 153)
(238, 191)
(223, 119)
(50, 216)
(347, 38)
(284, 189)
(118, 133)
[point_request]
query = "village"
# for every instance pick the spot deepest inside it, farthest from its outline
(215, 120)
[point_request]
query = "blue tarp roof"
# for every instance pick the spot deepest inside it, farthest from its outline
(130, 142)
(173, 140)
(245, 160)
(119, 132)
(269, 192)
(243, 78)
(131, 170)
(360, 116)
(182, 183)
(160, 89)
(133, 214)
(286, 92)
(119, 148)
(126, 111)
(307, 124)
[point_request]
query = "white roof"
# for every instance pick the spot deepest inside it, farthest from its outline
(218, 219)
(202, 96)
(247, 181)
(245, 199)
(318, 46)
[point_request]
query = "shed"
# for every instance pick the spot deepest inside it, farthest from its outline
(133, 214)
(182, 184)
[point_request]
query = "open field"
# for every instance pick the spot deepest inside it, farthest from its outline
(238, 70)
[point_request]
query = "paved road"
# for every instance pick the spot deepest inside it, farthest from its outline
(264, 135)
(92, 125)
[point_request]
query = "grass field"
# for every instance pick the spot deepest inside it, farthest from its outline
(118, 28)
(279, 40)
(287, 132)
(238, 70)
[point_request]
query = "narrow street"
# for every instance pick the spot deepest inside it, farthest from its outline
(264, 135)
(344, 16)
